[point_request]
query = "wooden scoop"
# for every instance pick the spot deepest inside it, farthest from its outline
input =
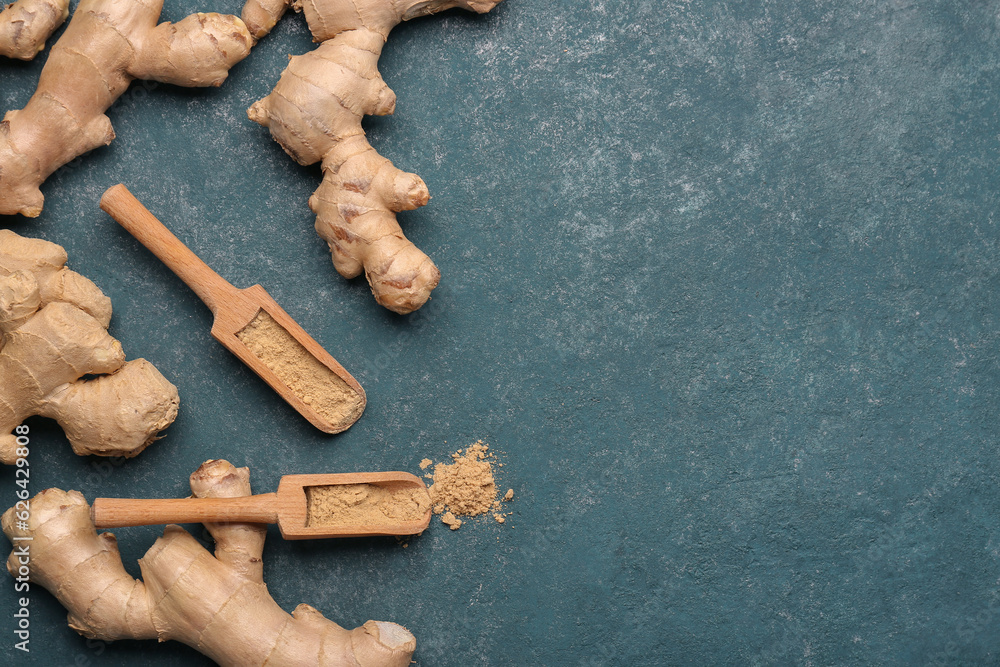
(295, 365)
(289, 508)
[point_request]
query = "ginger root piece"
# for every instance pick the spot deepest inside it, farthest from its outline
(107, 45)
(217, 604)
(315, 114)
(26, 24)
(53, 332)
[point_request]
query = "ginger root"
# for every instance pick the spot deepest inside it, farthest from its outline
(217, 604)
(107, 44)
(53, 333)
(26, 24)
(315, 113)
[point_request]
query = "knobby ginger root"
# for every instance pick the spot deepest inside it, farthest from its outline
(53, 332)
(217, 604)
(26, 24)
(107, 45)
(315, 114)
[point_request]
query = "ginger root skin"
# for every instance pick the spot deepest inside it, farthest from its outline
(107, 45)
(26, 24)
(53, 333)
(217, 604)
(315, 112)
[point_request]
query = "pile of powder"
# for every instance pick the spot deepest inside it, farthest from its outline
(365, 504)
(466, 486)
(308, 378)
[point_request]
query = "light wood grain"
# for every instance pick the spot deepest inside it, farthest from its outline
(293, 509)
(288, 508)
(233, 308)
(119, 512)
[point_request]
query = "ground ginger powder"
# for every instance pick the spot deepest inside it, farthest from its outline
(369, 505)
(308, 378)
(466, 486)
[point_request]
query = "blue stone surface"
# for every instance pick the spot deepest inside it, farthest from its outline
(720, 286)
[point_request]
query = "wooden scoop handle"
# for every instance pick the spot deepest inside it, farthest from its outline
(129, 212)
(118, 512)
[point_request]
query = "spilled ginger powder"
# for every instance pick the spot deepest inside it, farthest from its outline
(466, 486)
(308, 378)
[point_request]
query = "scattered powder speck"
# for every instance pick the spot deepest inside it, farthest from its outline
(466, 486)
(370, 505)
(308, 378)
(425, 463)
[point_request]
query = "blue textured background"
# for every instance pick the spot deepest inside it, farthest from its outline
(720, 280)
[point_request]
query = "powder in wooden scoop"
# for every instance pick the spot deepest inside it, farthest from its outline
(466, 486)
(318, 386)
(370, 505)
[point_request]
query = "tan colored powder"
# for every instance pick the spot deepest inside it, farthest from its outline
(371, 505)
(425, 463)
(309, 379)
(466, 486)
